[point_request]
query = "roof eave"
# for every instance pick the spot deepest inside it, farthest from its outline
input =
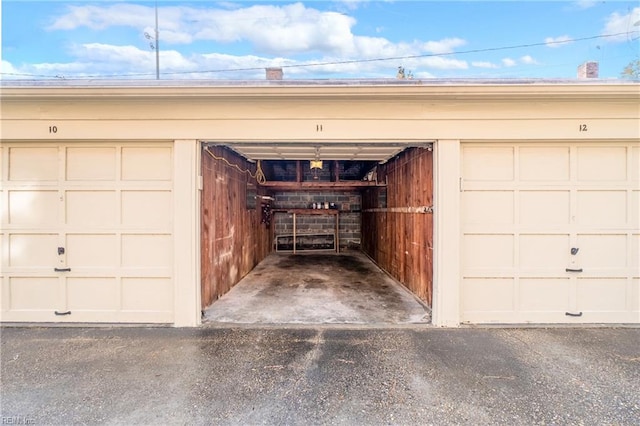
(419, 90)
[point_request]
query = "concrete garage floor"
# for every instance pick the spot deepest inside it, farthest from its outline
(313, 288)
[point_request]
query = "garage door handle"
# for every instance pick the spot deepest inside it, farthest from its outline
(572, 314)
(62, 313)
(573, 270)
(62, 269)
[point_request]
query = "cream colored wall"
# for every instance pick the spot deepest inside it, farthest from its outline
(446, 276)
(293, 113)
(450, 115)
(186, 205)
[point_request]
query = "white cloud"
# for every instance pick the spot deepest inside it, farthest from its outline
(624, 25)
(446, 45)
(558, 41)
(508, 62)
(423, 74)
(270, 29)
(527, 59)
(7, 67)
(100, 18)
(484, 64)
(585, 4)
(287, 28)
(352, 4)
(443, 63)
(273, 32)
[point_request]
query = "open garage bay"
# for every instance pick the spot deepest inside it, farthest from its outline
(317, 288)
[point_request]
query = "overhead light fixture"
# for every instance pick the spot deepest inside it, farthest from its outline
(315, 164)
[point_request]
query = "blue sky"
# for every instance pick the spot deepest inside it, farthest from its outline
(317, 39)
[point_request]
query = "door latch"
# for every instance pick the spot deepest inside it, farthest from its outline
(60, 251)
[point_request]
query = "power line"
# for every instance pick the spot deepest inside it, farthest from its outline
(343, 62)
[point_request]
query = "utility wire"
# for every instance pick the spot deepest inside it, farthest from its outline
(344, 62)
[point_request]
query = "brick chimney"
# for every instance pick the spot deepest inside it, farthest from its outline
(588, 70)
(274, 73)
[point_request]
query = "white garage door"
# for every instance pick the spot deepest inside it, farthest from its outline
(87, 232)
(550, 233)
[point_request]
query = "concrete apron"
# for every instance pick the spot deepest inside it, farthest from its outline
(312, 288)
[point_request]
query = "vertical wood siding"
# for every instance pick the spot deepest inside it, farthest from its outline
(233, 238)
(399, 240)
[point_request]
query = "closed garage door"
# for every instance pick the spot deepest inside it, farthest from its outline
(550, 233)
(87, 232)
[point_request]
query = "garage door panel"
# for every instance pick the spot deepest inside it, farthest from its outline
(95, 293)
(603, 163)
(603, 252)
(582, 195)
(544, 294)
(147, 163)
(493, 207)
(555, 161)
(39, 164)
(488, 251)
(147, 209)
(488, 294)
(634, 257)
(635, 208)
(146, 251)
(94, 209)
(34, 293)
(544, 252)
(544, 208)
(110, 206)
(144, 294)
(92, 251)
(91, 164)
(33, 250)
(34, 209)
(634, 155)
(602, 208)
(488, 163)
(603, 294)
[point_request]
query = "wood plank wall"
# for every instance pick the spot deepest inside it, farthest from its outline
(396, 237)
(233, 238)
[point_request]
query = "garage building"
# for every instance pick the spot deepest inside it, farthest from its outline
(493, 202)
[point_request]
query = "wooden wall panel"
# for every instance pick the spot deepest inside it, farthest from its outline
(399, 236)
(233, 238)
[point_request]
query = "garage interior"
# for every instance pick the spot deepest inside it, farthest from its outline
(317, 232)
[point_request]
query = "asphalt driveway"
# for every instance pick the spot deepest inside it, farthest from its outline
(320, 375)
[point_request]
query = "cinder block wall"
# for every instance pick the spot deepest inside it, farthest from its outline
(348, 203)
